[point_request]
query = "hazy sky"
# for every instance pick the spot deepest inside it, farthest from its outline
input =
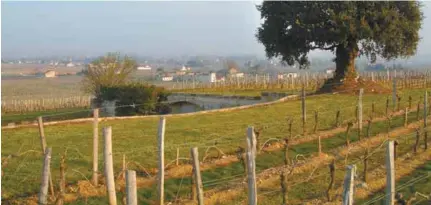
(31, 29)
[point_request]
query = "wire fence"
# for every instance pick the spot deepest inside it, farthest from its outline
(222, 168)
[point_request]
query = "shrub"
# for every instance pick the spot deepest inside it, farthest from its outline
(147, 99)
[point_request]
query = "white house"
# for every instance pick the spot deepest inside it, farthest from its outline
(167, 78)
(146, 67)
(207, 78)
(69, 65)
(185, 68)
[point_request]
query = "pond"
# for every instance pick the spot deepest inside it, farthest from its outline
(186, 103)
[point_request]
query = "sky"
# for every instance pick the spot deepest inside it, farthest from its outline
(37, 29)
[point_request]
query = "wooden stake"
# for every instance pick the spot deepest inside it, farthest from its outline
(95, 147)
(43, 194)
(331, 182)
(304, 112)
(361, 91)
(283, 185)
(161, 175)
(124, 168)
(349, 125)
(251, 166)
(406, 116)
(178, 156)
(337, 119)
(41, 133)
(316, 121)
(197, 175)
(131, 188)
(390, 174)
(415, 147)
(109, 166)
(43, 144)
(366, 164)
(320, 146)
(349, 182)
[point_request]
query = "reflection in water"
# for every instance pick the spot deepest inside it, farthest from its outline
(184, 107)
(187, 104)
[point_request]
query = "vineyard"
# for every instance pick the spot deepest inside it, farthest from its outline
(302, 146)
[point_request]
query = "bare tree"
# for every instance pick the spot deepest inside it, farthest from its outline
(111, 69)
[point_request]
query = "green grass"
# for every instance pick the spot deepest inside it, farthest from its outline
(238, 92)
(415, 182)
(268, 160)
(137, 138)
(72, 113)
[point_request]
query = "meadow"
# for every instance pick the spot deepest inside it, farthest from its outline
(136, 139)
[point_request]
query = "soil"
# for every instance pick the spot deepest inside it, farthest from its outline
(352, 86)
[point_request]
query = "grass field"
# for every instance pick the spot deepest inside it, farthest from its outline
(137, 138)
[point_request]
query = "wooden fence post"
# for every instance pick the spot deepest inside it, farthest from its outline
(109, 165)
(349, 182)
(361, 91)
(43, 144)
(394, 93)
(251, 140)
(131, 199)
(316, 121)
(283, 184)
(415, 147)
(197, 175)
(368, 128)
(95, 146)
(387, 106)
(62, 182)
(124, 168)
(373, 110)
(251, 166)
(425, 108)
(178, 157)
(41, 133)
(418, 110)
(425, 121)
(390, 174)
(43, 194)
(349, 125)
(366, 164)
(320, 146)
(331, 182)
(337, 119)
(304, 112)
(161, 175)
(406, 116)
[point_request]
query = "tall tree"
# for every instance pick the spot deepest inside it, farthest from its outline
(109, 70)
(291, 29)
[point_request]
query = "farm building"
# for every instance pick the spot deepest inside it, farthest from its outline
(50, 74)
(167, 78)
(207, 77)
(146, 67)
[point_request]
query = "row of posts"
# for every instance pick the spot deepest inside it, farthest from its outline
(131, 175)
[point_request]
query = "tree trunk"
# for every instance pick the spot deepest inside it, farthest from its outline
(345, 61)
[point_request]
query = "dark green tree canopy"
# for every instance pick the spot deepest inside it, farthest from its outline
(291, 29)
